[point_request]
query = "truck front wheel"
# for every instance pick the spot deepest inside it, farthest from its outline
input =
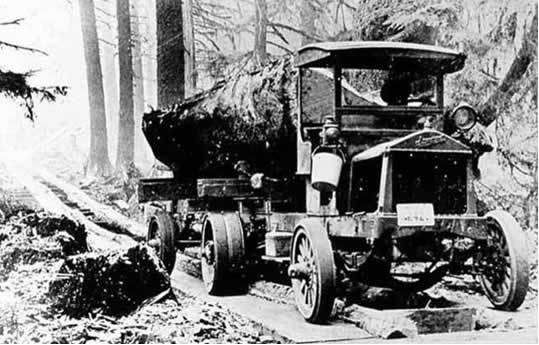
(312, 271)
(504, 263)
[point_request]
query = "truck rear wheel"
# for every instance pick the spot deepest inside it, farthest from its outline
(161, 236)
(223, 254)
(505, 269)
(312, 270)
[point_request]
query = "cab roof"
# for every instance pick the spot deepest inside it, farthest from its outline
(381, 55)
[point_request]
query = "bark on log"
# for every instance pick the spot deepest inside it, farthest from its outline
(70, 234)
(114, 283)
(251, 117)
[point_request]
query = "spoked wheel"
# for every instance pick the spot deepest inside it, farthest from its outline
(504, 264)
(223, 254)
(312, 269)
(161, 237)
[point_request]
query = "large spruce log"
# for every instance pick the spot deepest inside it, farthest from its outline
(250, 117)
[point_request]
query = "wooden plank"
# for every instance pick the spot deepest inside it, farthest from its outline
(380, 323)
(443, 320)
(282, 321)
(397, 323)
(162, 189)
(390, 111)
(224, 187)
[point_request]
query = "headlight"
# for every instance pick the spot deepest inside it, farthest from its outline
(464, 116)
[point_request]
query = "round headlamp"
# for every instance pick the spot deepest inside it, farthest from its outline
(464, 116)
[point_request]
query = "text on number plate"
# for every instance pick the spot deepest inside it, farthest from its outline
(415, 215)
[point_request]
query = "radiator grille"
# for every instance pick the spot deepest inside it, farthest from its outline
(439, 179)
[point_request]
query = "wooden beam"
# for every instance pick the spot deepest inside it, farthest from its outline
(165, 189)
(337, 76)
(380, 323)
(408, 323)
(439, 90)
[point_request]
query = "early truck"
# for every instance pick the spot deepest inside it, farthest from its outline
(387, 198)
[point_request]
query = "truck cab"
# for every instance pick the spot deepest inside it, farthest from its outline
(398, 90)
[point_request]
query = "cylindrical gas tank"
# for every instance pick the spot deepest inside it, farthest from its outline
(326, 168)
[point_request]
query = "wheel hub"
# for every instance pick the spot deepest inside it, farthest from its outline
(494, 267)
(300, 270)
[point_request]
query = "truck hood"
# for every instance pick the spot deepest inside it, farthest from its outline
(426, 140)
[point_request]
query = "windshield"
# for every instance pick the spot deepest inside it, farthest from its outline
(364, 87)
(384, 87)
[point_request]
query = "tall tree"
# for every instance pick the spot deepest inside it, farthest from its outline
(170, 52)
(142, 150)
(149, 49)
(126, 122)
(107, 32)
(261, 23)
(98, 160)
(189, 41)
(138, 75)
(308, 16)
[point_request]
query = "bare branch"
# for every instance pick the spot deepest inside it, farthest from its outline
(278, 33)
(107, 42)
(280, 46)
(19, 47)
(296, 30)
(13, 22)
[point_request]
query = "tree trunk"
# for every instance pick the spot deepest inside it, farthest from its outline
(98, 161)
(110, 82)
(142, 150)
(308, 16)
(109, 59)
(126, 123)
(261, 17)
(149, 48)
(189, 40)
(170, 53)
(528, 49)
(138, 74)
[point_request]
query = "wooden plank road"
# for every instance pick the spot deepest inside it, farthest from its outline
(281, 321)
